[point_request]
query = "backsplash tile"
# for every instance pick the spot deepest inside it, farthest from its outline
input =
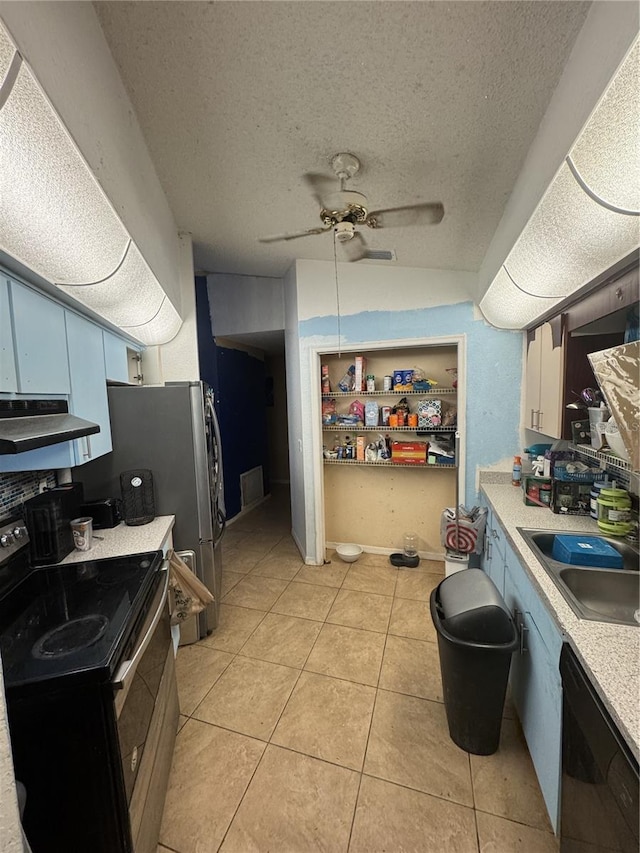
(16, 488)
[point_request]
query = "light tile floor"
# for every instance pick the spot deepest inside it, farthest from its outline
(312, 719)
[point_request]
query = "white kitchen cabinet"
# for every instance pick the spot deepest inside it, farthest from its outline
(40, 342)
(544, 382)
(88, 386)
(8, 378)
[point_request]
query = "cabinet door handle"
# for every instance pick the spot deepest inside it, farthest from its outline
(522, 629)
(87, 453)
(540, 414)
(532, 423)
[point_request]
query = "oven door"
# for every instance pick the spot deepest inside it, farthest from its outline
(146, 704)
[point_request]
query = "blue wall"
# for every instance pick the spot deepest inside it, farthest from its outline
(239, 383)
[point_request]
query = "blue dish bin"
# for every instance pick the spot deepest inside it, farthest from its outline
(585, 551)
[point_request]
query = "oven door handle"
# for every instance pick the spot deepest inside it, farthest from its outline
(126, 670)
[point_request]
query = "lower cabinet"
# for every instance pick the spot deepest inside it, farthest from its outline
(494, 545)
(535, 683)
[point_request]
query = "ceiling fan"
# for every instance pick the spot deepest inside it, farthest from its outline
(342, 210)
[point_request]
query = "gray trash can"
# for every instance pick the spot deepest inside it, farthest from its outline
(476, 638)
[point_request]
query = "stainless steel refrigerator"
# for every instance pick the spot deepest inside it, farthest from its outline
(173, 431)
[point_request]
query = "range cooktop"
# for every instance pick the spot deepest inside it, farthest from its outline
(73, 620)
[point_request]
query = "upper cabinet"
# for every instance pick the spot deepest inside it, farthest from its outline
(8, 379)
(40, 342)
(88, 386)
(120, 359)
(544, 381)
(49, 350)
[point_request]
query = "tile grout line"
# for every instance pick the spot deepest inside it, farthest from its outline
(269, 742)
(241, 800)
(373, 710)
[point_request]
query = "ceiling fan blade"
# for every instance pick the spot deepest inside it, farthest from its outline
(320, 186)
(355, 249)
(414, 214)
(294, 235)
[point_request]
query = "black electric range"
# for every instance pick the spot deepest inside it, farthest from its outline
(71, 621)
(88, 666)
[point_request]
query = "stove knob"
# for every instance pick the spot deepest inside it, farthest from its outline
(19, 532)
(7, 539)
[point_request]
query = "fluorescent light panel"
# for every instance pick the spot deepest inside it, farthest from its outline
(56, 219)
(509, 307)
(574, 235)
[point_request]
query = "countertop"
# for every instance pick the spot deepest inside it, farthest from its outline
(609, 653)
(122, 540)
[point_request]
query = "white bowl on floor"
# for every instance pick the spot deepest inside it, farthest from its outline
(348, 552)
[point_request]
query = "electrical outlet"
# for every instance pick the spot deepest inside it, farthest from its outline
(42, 486)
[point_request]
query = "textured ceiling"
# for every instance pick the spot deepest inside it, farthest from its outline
(238, 99)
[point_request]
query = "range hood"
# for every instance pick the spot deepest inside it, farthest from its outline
(29, 424)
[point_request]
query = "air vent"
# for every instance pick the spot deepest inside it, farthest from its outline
(251, 487)
(380, 255)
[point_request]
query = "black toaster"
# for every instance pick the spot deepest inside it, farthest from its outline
(104, 512)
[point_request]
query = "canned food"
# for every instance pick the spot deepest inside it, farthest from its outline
(385, 411)
(387, 383)
(412, 420)
(371, 382)
(402, 418)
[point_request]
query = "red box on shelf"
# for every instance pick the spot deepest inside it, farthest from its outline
(409, 452)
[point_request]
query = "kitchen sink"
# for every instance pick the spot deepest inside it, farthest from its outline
(604, 595)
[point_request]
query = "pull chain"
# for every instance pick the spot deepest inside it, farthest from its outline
(335, 267)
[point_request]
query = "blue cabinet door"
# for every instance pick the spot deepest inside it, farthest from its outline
(494, 552)
(537, 694)
(88, 386)
(115, 357)
(8, 379)
(40, 342)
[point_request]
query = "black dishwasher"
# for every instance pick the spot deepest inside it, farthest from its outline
(600, 807)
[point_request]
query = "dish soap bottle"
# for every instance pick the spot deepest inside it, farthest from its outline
(516, 475)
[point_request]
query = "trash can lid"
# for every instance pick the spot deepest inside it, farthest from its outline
(473, 609)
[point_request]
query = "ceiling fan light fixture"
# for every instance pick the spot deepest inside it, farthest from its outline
(344, 231)
(341, 210)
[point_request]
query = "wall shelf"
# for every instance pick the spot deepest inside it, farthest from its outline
(607, 459)
(387, 428)
(433, 393)
(386, 463)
